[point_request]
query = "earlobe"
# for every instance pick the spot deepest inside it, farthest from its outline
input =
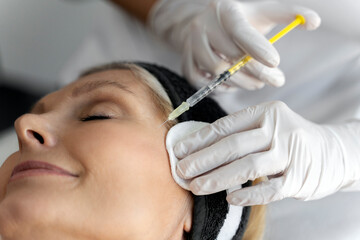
(188, 216)
(187, 226)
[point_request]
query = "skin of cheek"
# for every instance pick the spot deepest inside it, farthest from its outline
(6, 223)
(5, 173)
(126, 170)
(32, 209)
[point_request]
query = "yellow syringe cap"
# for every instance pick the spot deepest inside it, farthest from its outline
(301, 19)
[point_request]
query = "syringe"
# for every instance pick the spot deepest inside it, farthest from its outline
(206, 90)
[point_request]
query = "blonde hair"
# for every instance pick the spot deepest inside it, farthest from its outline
(256, 225)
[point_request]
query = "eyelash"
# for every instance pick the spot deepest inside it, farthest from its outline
(95, 117)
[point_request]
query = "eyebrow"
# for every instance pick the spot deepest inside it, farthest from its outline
(83, 89)
(96, 84)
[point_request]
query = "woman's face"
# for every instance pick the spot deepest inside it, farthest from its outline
(104, 131)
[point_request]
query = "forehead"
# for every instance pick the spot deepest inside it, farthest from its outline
(125, 78)
(122, 81)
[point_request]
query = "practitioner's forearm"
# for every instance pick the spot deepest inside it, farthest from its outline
(138, 8)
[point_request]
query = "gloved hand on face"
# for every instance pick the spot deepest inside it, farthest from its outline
(300, 159)
(212, 35)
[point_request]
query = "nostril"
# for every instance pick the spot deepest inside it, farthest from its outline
(37, 136)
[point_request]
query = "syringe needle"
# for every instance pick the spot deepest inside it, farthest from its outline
(163, 123)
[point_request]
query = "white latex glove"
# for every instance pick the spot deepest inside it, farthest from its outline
(301, 159)
(211, 35)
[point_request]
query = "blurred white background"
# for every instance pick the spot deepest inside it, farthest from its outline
(38, 36)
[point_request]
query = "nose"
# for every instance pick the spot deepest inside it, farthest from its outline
(35, 131)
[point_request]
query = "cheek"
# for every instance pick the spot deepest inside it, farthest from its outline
(5, 172)
(106, 147)
(126, 170)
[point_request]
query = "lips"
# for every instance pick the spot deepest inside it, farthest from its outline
(35, 168)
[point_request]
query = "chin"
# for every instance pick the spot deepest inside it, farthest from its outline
(23, 213)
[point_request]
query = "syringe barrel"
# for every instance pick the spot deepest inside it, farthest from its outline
(206, 90)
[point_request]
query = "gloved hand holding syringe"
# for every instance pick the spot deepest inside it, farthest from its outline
(206, 90)
(294, 157)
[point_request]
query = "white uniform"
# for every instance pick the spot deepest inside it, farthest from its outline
(322, 70)
(117, 36)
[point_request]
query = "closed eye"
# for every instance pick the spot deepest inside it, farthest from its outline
(95, 117)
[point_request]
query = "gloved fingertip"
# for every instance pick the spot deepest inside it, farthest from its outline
(273, 59)
(273, 62)
(255, 85)
(201, 186)
(313, 23)
(276, 78)
(313, 19)
(195, 187)
(259, 85)
(267, 55)
(234, 201)
(180, 171)
(180, 150)
(280, 83)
